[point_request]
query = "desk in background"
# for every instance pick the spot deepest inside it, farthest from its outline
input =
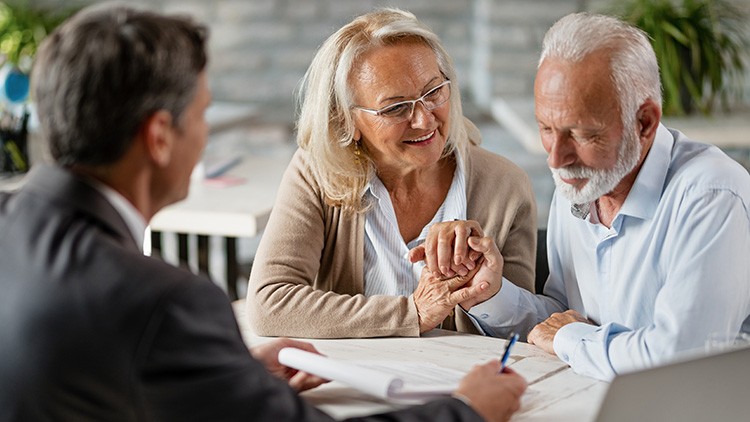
(555, 392)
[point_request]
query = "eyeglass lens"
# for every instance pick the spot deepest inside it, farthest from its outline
(402, 111)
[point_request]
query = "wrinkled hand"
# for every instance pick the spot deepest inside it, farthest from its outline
(446, 251)
(489, 270)
(495, 396)
(543, 334)
(435, 297)
(460, 247)
(268, 355)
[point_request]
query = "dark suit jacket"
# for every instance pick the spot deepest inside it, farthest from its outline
(90, 329)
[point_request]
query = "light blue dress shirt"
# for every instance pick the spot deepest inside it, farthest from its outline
(673, 268)
(387, 269)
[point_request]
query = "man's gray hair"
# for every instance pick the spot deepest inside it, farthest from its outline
(635, 71)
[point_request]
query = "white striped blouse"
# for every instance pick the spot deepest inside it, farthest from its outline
(387, 269)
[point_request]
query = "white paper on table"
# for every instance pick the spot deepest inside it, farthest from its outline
(388, 379)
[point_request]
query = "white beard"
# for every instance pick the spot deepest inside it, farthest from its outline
(600, 182)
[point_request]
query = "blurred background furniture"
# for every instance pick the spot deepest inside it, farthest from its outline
(542, 266)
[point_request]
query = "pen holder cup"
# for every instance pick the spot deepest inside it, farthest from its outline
(14, 156)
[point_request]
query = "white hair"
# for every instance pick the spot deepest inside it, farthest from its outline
(325, 127)
(635, 71)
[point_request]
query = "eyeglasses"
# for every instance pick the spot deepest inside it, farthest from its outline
(403, 110)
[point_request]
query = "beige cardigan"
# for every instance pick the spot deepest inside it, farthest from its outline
(308, 279)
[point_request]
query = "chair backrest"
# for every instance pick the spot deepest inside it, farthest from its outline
(542, 267)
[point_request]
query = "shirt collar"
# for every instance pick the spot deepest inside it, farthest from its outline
(134, 220)
(644, 197)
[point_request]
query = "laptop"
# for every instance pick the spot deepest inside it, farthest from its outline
(711, 388)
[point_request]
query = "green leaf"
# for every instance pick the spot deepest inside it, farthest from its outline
(23, 26)
(701, 45)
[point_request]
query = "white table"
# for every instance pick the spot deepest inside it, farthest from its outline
(725, 131)
(555, 392)
(237, 204)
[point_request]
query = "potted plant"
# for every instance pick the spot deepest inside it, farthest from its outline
(701, 46)
(22, 28)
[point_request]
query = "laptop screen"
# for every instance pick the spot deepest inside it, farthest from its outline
(711, 388)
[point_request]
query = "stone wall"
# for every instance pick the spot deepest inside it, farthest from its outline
(506, 41)
(261, 48)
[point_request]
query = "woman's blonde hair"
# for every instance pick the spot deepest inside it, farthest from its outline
(325, 126)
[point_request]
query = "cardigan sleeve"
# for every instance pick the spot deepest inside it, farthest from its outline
(303, 281)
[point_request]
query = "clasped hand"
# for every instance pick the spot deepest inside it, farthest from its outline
(462, 267)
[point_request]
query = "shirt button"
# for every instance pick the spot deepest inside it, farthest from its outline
(484, 316)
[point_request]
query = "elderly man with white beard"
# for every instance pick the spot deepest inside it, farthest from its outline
(649, 232)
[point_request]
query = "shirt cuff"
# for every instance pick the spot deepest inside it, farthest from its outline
(506, 298)
(569, 337)
(496, 312)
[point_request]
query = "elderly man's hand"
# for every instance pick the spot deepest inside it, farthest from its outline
(489, 270)
(268, 355)
(543, 334)
(446, 250)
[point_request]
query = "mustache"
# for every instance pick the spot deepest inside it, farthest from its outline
(575, 172)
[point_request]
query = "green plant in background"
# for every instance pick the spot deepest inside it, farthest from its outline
(701, 46)
(22, 28)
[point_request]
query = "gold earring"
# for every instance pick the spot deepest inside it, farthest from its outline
(357, 152)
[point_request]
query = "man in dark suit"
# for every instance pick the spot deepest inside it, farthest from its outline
(90, 328)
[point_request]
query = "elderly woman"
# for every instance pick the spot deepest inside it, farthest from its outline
(385, 152)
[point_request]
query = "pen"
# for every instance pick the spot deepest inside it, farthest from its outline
(508, 346)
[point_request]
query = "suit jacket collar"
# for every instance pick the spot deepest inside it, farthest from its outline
(63, 186)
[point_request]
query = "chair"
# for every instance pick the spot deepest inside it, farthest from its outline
(542, 267)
